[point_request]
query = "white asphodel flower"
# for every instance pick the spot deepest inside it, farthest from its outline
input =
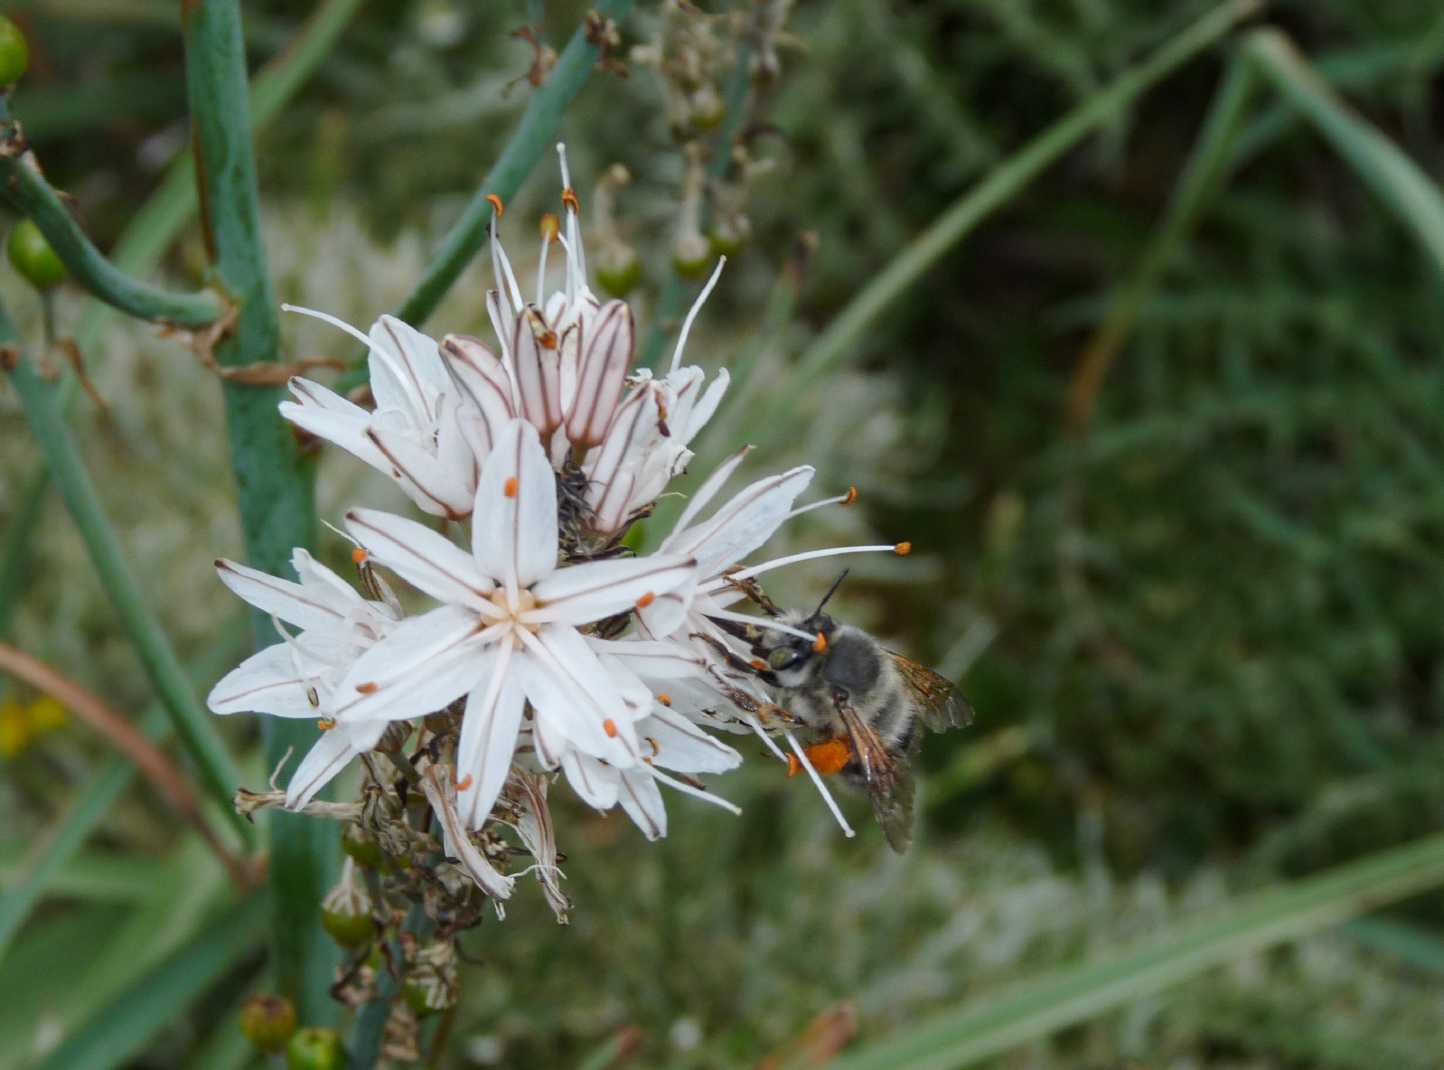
(423, 433)
(508, 631)
(298, 676)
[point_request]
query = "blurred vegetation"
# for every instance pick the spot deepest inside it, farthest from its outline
(1202, 634)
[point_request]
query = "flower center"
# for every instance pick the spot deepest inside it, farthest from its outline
(525, 601)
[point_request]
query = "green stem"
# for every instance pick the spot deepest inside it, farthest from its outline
(536, 132)
(195, 728)
(37, 199)
(274, 486)
(840, 341)
(15, 548)
(982, 1029)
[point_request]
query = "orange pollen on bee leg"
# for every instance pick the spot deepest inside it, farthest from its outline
(829, 756)
(850, 496)
(646, 600)
(464, 783)
(496, 205)
(819, 645)
(368, 688)
(359, 555)
(609, 726)
(569, 198)
(902, 549)
(551, 226)
(325, 724)
(510, 488)
(664, 698)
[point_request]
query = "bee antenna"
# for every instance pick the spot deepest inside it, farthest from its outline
(831, 591)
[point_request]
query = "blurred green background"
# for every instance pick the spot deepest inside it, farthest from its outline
(1201, 627)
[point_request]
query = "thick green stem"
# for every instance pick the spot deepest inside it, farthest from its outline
(194, 726)
(537, 131)
(842, 337)
(36, 198)
(274, 486)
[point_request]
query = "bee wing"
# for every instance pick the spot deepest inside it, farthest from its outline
(935, 699)
(889, 781)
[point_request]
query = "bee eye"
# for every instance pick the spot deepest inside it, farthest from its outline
(781, 658)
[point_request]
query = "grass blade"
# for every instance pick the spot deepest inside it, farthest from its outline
(1073, 994)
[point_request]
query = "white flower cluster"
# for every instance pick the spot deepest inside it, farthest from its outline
(559, 647)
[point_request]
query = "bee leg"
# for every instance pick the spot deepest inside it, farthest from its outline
(752, 668)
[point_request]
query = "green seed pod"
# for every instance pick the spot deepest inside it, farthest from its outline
(14, 52)
(32, 256)
(691, 256)
(346, 910)
(314, 1048)
(268, 1022)
(349, 930)
(362, 848)
(618, 271)
(726, 241)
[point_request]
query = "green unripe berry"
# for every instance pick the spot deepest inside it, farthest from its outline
(347, 929)
(619, 275)
(314, 1048)
(268, 1022)
(32, 256)
(362, 848)
(14, 52)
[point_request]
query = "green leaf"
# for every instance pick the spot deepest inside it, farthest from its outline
(984, 1028)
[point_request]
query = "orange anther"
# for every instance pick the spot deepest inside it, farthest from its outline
(609, 726)
(793, 765)
(646, 600)
(510, 489)
(850, 496)
(325, 724)
(758, 664)
(368, 688)
(547, 339)
(464, 783)
(496, 205)
(359, 555)
(819, 645)
(655, 748)
(664, 698)
(551, 226)
(902, 549)
(569, 198)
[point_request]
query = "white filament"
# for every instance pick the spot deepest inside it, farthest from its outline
(692, 312)
(821, 787)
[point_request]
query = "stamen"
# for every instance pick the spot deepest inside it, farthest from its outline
(646, 600)
(550, 229)
(325, 724)
(664, 698)
(369, 688)
(510, 488)
(761, 622)
(902, 549)
(688, 789)
(656, 747)
(758, 664)
(359, 555)
(819, 645)
(569, 198)
(505, 277)
(807, 555)
(692, 312)
(576, 256)
(498, 209)
(842, 499)
(771, 744)
(821, 787)
(609, 726)
(464, 783)
(324, 317)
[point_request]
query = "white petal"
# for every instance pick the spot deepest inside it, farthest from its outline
(325, 585)
(590, 591)
(481, 378)
(682, 746)
(488, 738)
(426, 663)
(424, 478)
(331, 754)
(652, 660)
(331, 417)
(459, 454)
(514, 524)
(642, 800)
(704, 494)
(413, 375)
(267, 682)
(574, 702)
(454, 839)
(426, 559)
(537, 371)
(595, 784)
(606, 355)
(745, 522)
(704, 409)
(290, 601)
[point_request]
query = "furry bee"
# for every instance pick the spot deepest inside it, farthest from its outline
(864, 704)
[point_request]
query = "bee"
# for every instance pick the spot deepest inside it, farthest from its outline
(866, 706)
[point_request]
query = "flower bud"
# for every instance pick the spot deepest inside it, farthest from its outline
(346, 910)
(268, 1022)
(14, 52)
(314, 1048)
(32, 256)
